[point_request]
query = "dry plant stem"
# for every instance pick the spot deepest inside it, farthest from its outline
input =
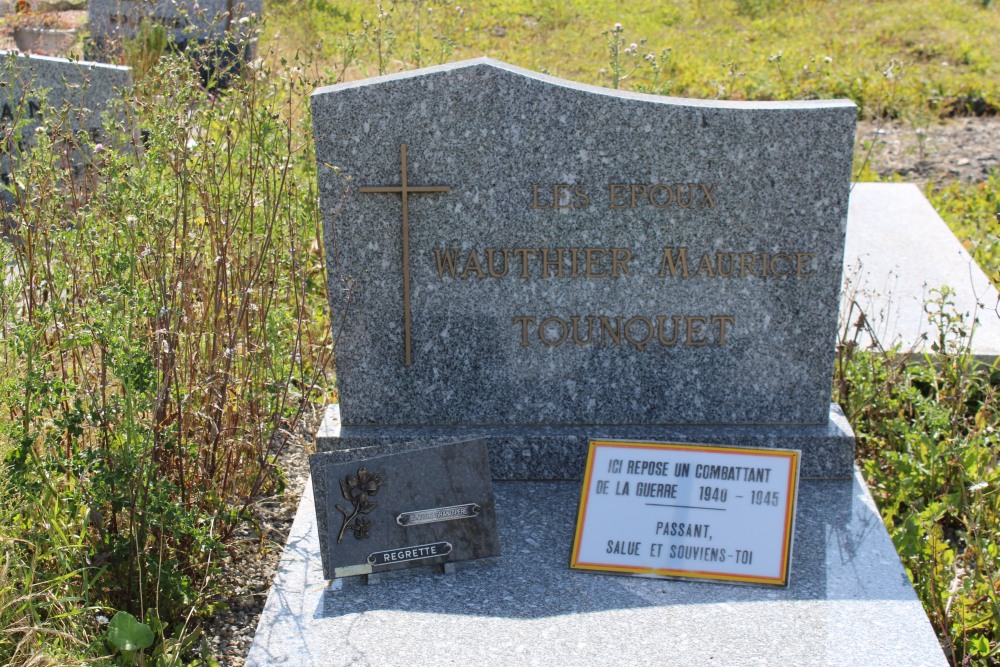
(880, 120)
(165, 323)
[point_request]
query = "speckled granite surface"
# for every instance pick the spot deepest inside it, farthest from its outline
(559, 452)
(117, 19)
(849, 602)
(545, 288)
(84, 91)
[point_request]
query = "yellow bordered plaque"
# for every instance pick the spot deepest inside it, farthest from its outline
(688, 511)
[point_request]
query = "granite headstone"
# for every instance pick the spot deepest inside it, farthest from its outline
(539, 345)
(417, 506)
(82, 93)
(111, 21)
(539, 262)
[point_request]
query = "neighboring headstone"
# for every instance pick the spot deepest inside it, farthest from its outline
(111, 21)
(420, 506)
(84, 91)
(899, 255)
(569, 263)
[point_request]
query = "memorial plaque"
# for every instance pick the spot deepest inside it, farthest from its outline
(688, 511)
(416, 507)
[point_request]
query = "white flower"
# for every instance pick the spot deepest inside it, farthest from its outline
(102, 619)
(978, 486)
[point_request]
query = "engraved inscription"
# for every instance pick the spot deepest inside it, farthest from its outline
(676, 263)
(638, 331)
(452, 513)
(595, 263)
(528, 263)
(661, 195)
(404, 554)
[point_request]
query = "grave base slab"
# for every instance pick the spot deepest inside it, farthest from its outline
(560, 452)
(849, 601)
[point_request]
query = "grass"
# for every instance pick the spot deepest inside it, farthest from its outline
(973, 213)
(165, 325)
(946, 54)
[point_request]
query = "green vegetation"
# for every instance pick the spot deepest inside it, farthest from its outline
(971, 210)
(928, 446)
(943, 53)
(161, 333)
(163, 322)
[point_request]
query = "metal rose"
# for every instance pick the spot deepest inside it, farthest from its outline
(358, 490)
(362, 527)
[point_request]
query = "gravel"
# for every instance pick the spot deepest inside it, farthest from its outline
(249, 568)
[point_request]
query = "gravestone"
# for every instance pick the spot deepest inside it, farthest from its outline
(82, 93)
(538, 263)
(111, 21)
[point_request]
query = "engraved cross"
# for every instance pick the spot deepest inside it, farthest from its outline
(405, 190)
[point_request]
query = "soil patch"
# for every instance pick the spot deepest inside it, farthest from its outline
(957, 149)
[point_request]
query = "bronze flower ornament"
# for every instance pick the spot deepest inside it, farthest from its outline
(358, 490)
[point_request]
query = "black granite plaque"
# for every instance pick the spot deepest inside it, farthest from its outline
(420, 506)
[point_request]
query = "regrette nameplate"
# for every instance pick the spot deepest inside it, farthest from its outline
(452, 513)
(402, 554)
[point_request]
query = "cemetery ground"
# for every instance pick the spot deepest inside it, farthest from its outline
(164, 338)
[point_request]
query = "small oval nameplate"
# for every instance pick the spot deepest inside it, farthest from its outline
(467, 511)
(402, 554)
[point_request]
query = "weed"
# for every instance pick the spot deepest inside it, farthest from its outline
(145, 49)
(927, 444)
(162, 333)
